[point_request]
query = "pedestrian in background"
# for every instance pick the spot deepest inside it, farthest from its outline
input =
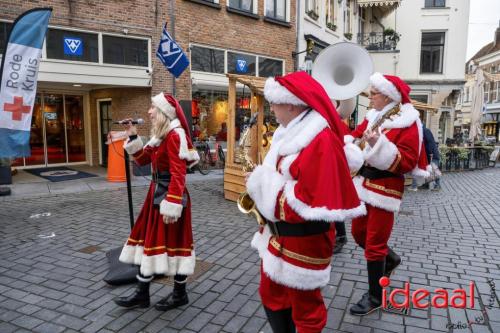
(432, 151)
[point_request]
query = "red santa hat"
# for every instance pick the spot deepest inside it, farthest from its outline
(397, 90)
(392, 87)
(171, 108)
(299, 88)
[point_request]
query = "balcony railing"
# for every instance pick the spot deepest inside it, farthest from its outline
(376, 41)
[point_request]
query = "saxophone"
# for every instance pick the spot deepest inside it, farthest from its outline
(246, 205)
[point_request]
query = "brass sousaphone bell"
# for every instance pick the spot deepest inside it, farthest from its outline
(344, 70)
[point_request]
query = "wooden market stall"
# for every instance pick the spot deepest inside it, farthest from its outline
(234, 178)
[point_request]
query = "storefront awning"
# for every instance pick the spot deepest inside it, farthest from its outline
(386, 6)
(379, 3)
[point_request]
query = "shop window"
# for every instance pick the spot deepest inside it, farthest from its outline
(204, 59)
(435, 3)
(245, 5)
(125, 51)
(276, 9)
(238, 63)
(270, 67)
(432, 51)
(420, 98)
(4, 34)
(72, 45)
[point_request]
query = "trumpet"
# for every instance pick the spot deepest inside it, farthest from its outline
(246, 205)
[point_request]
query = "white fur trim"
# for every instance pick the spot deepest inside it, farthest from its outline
(285, 165)
(319, 213)
(354, 156)
(406, 118)
(417, 172)
(379, 82)
(184, 153)
(263, 186)
(348, 139)
(158, 264)
(382, 155)
(170, 209)
(132, 147)
(278, 94)
(285, 273)
(164, 106)
(375, 199)
(144, 279)
(301, 135)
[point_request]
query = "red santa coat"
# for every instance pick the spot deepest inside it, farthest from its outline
(303, 179)
(157, 247)
(399, 150)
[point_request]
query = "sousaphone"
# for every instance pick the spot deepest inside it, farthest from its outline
(344, 70)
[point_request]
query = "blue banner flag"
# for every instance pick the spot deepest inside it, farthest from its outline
(18, 80)
(171, 55)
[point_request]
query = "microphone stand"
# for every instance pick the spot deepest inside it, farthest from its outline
(120, 273)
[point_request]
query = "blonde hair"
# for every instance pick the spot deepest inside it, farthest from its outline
(161, 125)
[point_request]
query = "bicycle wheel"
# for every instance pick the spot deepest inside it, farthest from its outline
(202, 165)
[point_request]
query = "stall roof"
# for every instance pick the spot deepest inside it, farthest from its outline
(256, 84)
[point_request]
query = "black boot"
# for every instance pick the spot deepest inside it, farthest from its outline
(372, 300)
(340, 237)
(140, 297)
(392, 260)
(176, 298)
(281, 321)
(339, 244)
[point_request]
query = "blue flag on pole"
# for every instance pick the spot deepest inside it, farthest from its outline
(19, 73)
(171, 55)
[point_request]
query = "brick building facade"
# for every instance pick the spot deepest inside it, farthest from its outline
(118, 69)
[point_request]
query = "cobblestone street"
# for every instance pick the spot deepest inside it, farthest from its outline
(51, 282)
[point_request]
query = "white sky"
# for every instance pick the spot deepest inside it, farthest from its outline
(483, 21)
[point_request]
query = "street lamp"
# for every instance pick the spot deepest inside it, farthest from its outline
(308, 61)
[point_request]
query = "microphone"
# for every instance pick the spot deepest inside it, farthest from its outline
(133, 121)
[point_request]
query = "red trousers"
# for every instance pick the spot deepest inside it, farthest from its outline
(372, 232)
(308, 308)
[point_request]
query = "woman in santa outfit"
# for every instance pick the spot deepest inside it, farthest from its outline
(161, 241)
(301, 189)
(392, 150)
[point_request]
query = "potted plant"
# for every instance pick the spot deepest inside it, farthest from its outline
(331, 26)
(5, 173)
(312, 14)
(391, 35)
(348, 35)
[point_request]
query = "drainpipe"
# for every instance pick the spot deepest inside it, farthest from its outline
(296, 65)
(172, 24)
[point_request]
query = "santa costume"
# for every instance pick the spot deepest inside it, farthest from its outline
(161, 248)
(301, 189)
(380, 181)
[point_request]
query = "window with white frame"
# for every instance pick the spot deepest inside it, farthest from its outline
(487, 92)
(125, 51)
(276, 9)
(347, 18)
(435, 3)
(432, 52)
(312, 8)
(330, 14)
(246, 5)
(498, 90)
(206, 59)
(494, 96)
(72, 45)
(467, 90)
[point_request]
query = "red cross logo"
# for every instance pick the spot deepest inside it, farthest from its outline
(17, 108)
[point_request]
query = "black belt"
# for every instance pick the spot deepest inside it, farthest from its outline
(309, 228)
(157, 177)
(374, 173)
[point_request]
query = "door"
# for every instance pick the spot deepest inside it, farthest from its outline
(105, 121)
(55, 133)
